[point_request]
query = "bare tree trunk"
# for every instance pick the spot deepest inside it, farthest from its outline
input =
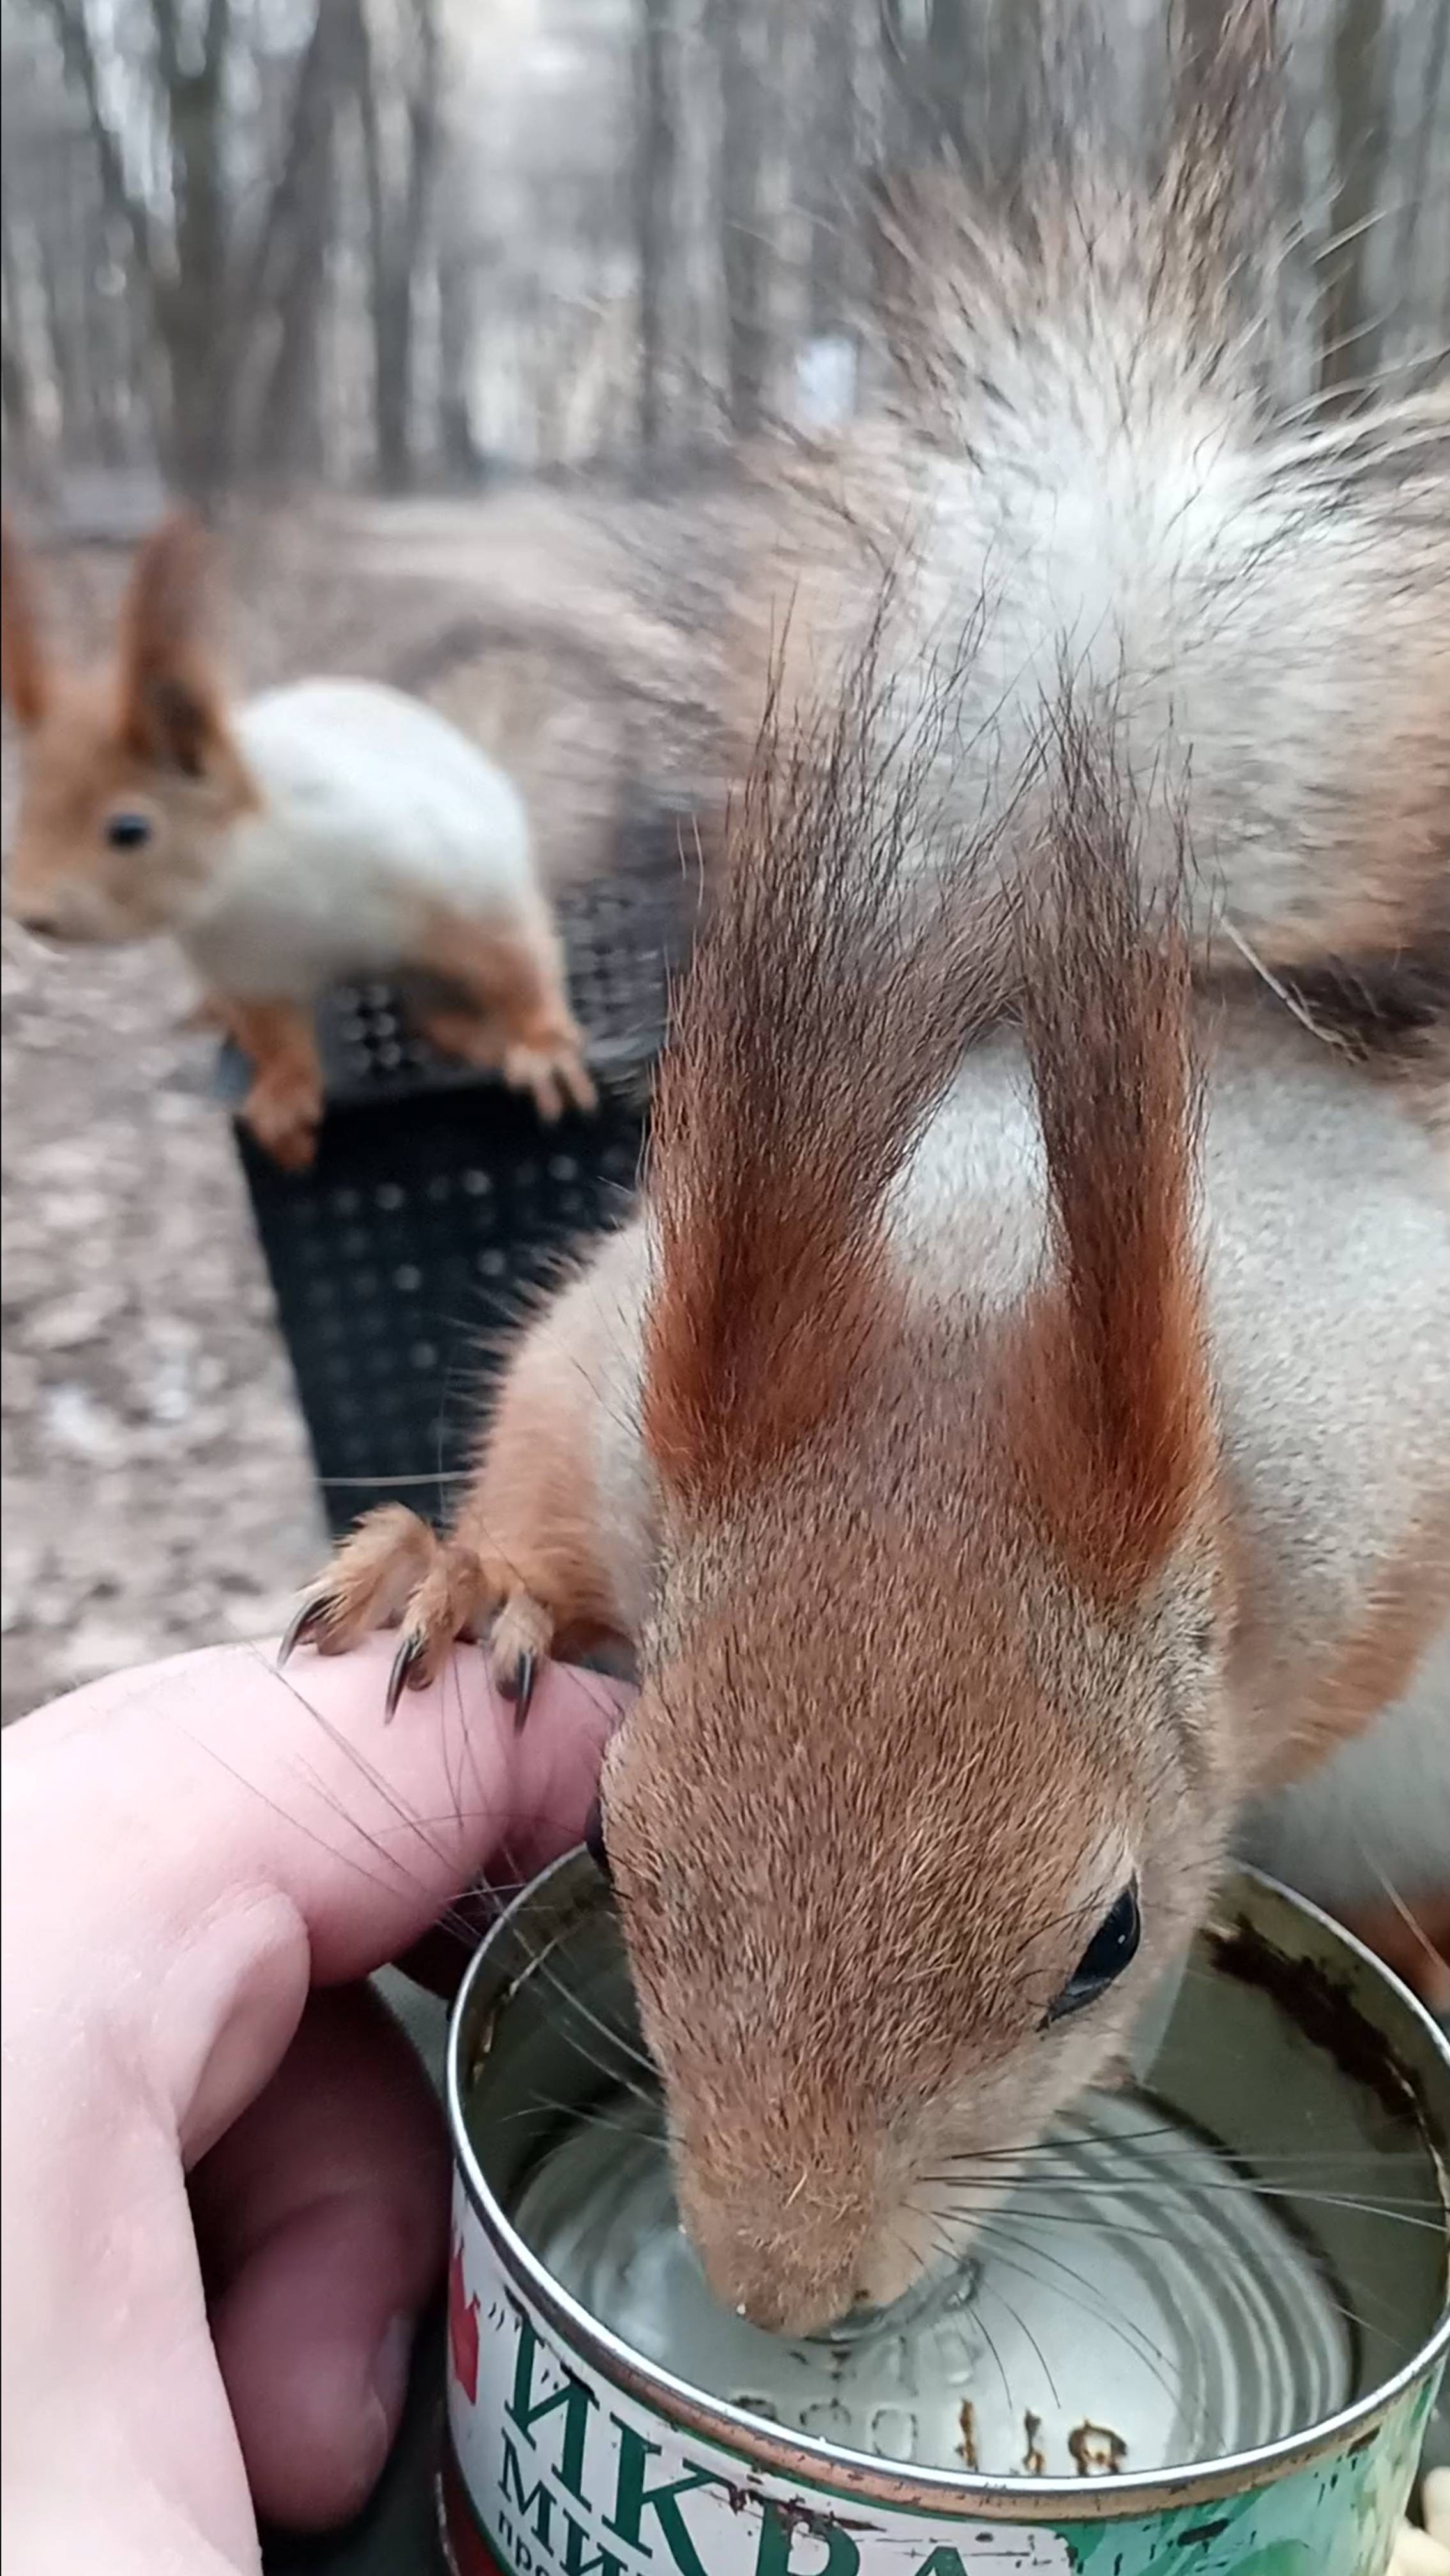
(391, 301)
(457, 338)
(97, 334)
(72, 31)
(385, 429)
(15, 394)
(288, 439)
(58, 337)
(188, 305)
(1349, 333)
(1416, 172)
(954, 73)
(1014, 86)
(128, 214)
(740, 38)
(195, 317)
(395, 236)
(833, 162)
(423, 141)
(289, 266)
(899, 88)
(940, 79)
(1200, 34)
(654, 174)
(322, 65)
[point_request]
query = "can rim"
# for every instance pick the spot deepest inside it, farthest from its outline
(894, 2484)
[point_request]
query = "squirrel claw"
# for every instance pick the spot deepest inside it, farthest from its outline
(409, 1655)
(517, 1684)
(305, 1620)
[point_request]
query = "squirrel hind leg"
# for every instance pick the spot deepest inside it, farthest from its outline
(284, 1105)
(517, 1015)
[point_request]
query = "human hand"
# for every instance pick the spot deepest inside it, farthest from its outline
(201, 1861)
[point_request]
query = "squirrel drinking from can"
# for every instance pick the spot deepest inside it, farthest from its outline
(1014, 1433)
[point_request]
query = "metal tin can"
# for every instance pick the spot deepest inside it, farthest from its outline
(1230, 2376)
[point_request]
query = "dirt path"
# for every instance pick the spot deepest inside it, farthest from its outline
(157, 1487)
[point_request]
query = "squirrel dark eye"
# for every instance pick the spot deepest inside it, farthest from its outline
(594, 1842)
(1113, 1946)
(128, 831)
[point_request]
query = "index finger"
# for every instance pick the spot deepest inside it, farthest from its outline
(156, 1795)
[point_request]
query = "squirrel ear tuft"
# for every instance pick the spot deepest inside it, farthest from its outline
(170, 703)
(25, 680)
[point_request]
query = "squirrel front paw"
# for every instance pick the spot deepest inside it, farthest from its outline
(395, 1570)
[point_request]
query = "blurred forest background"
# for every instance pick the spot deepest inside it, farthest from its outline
(422, 294)
(385, 243)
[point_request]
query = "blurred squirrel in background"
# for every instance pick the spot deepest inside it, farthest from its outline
(325, 830)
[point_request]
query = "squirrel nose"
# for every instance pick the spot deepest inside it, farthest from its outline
(769, 2277)
(793, 2308)
(41, 925)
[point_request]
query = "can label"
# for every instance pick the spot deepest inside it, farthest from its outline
(566, 2472)
(555, 2471)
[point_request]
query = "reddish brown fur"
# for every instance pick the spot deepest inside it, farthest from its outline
(963, 1716)
(818, 1028)
(534, 1519)
(79, 769)
(283, 1106)
(527, 1560)
(149, 731)
(822, 1023)
(151, 738)
(1362, 872)
(853, 1821)
(1110, 1395)
(512, 974)
(170, 703)
(1367, 1671)
(21, 645)
(939, 1601)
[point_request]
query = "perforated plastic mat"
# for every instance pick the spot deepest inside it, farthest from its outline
(439, 1203)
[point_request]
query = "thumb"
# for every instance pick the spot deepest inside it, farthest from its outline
(322, 2219)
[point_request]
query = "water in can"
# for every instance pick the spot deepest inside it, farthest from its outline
(1200, 2340)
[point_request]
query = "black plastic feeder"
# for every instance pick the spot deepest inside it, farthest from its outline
(440, 1201)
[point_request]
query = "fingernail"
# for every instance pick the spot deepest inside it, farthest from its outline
(389, 2375)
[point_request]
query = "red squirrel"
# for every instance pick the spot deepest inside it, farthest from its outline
(1014, 1432)
(327, 829)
